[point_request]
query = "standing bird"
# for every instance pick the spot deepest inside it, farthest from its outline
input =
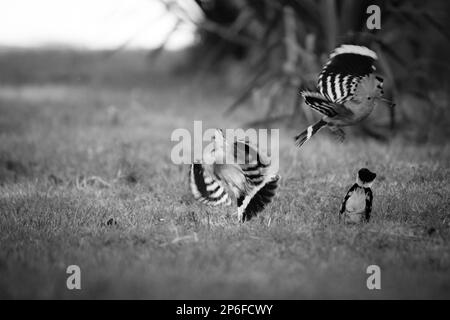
(357, 204)
(348, 91)
(249, 178)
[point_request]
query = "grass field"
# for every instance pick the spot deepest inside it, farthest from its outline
(73, 157)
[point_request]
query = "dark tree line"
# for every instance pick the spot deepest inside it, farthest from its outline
(284, 44)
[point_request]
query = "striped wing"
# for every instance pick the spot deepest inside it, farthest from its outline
(347, 66)
(253, 164)
(264, 183)
(319, 103)
(250, 179)
(206, 188)
(255, 201)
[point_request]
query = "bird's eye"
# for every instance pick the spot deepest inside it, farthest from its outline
(368, 98)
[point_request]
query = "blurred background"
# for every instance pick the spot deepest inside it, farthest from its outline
(92, 90)
(261, 52)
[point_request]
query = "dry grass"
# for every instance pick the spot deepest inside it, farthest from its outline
(73, 157)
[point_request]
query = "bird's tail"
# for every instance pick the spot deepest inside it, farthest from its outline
(301, 138)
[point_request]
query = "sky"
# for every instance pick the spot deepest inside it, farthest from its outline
(90, 24)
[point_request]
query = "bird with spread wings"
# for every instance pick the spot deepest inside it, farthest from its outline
(347, 93)
(234, 172)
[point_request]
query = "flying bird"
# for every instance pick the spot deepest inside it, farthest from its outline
(357, 204)
(347, 91)
(234, 172)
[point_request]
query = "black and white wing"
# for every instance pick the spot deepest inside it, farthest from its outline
(251, 204)
(347, 196)
(321, 104)
(348, 64)
(261, 176)
(250, 180)
(206, 188)
(253, 164)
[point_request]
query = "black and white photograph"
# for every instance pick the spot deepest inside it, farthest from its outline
(224, 150)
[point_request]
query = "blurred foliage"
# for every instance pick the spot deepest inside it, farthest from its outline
(282, 45)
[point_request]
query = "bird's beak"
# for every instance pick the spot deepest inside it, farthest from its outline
(388, 102)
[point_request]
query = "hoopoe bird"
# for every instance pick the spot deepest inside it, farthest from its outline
(357, 204)
(348, 91)
(249, 179)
